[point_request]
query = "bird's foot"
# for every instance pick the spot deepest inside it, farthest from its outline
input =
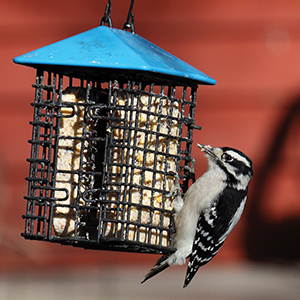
(176, 188)
(190, 169)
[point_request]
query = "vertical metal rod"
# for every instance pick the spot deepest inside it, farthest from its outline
(56, 143)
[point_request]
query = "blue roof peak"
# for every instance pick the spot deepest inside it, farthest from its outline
(109, 48)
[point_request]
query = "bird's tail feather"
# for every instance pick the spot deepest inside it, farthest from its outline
(160, 265)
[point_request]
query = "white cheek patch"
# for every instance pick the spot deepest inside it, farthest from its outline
(243, 182)
(239, 158)
(231, 169)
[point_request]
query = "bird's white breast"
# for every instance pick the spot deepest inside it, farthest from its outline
(198, 197)
(206, 188)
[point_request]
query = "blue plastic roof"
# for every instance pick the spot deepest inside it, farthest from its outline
(110, 48)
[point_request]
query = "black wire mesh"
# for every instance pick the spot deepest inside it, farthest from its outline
(103, 158)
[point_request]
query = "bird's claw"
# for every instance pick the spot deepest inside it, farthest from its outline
(176, 188)
(190, 169)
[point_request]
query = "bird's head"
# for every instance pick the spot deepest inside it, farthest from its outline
(235, 164)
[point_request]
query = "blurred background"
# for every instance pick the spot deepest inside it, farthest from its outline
(251, 48)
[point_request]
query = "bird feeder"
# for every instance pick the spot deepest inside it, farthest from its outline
(113, 122)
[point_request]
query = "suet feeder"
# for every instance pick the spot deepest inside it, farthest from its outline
(113, 122)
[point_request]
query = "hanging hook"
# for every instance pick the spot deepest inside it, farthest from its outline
(106, 18)
(130, 19)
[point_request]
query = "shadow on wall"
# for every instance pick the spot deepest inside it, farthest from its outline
(268, 237)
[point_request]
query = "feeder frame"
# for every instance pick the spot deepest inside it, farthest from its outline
(41, 200)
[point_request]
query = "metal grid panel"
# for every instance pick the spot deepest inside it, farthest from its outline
(127, 140)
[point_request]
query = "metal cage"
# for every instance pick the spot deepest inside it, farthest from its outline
(104, 151)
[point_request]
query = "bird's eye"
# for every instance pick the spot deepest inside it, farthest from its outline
(227, 157)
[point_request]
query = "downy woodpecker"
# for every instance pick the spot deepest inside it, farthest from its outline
(209, 210)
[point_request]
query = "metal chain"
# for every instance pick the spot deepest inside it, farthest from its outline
(130, 19)
(129, 24)
(106, 18)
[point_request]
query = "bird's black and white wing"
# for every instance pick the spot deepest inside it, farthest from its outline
(213, 227)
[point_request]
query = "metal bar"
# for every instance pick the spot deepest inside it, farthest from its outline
(105, 185)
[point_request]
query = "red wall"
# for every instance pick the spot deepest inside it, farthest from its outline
(250, 47)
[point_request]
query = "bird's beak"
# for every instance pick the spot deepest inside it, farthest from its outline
(207, 149)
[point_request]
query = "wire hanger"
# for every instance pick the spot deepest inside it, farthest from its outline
(106, 18)
(129, 24)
